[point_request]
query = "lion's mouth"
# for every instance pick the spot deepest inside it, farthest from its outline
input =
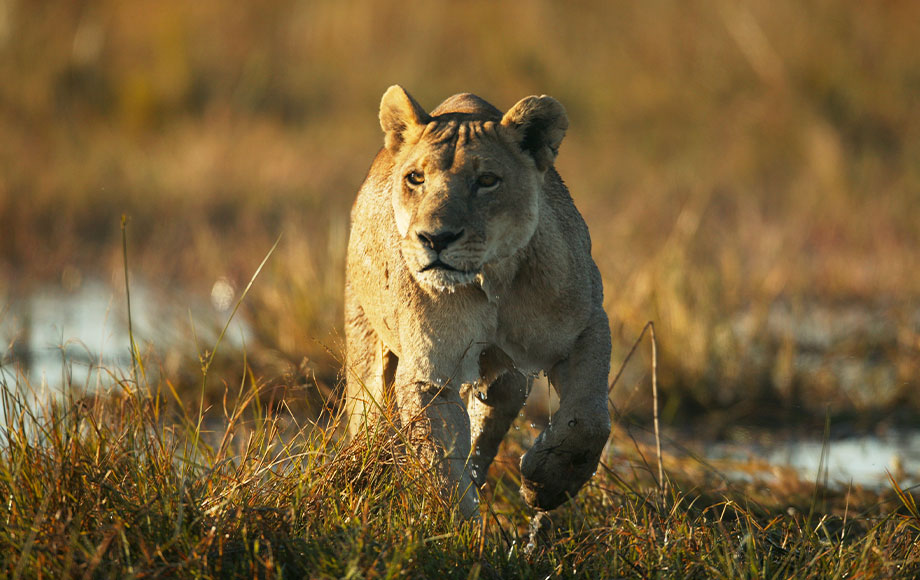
(439, 265)
(441, 276)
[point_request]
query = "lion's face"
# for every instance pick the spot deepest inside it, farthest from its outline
(466, 191)
(463, 198)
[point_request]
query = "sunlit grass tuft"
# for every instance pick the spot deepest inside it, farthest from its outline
(124, 483)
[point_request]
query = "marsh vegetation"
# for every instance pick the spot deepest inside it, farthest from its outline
(750, 176)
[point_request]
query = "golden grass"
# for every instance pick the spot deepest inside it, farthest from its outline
(749, 173)
(119, 484)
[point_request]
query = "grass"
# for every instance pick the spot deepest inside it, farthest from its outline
(749, 176)
(123, 484)
(131, 481)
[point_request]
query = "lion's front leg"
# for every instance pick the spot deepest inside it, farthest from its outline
(438, 430)
(566, 454)
(492, 410)
(369, 369)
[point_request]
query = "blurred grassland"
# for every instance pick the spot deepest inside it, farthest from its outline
(737, 163)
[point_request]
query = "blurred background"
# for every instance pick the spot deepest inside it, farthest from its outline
(749, 171)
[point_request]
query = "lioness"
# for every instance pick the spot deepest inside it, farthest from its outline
(469, 271)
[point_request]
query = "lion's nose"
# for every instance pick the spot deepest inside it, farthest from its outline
(438, 241)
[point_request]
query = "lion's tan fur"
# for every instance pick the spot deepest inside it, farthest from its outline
(458, 282)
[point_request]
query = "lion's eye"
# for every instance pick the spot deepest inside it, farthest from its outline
(415, 178)
(487, 181)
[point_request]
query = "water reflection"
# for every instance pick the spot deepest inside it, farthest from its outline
(854, 354)
(863, 460)
(54, 337)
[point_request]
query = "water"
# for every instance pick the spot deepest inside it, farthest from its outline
(858, 351)
(862, 460)
(54, 337)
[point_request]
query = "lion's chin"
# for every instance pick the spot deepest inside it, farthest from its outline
(444, 280)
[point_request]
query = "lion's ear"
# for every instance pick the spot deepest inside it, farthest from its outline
(539, 124)
(400, 117)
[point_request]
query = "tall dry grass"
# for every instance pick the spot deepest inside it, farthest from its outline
(119, 484)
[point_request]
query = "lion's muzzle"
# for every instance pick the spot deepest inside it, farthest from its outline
(438, 241)
(438, 256)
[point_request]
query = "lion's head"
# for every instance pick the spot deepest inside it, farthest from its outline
(467, 180)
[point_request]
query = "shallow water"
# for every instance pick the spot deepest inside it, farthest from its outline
(854, 352)
(861, 460)
(54, 337)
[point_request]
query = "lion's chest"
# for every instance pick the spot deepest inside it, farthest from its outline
(448, 336)
(534, 338)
